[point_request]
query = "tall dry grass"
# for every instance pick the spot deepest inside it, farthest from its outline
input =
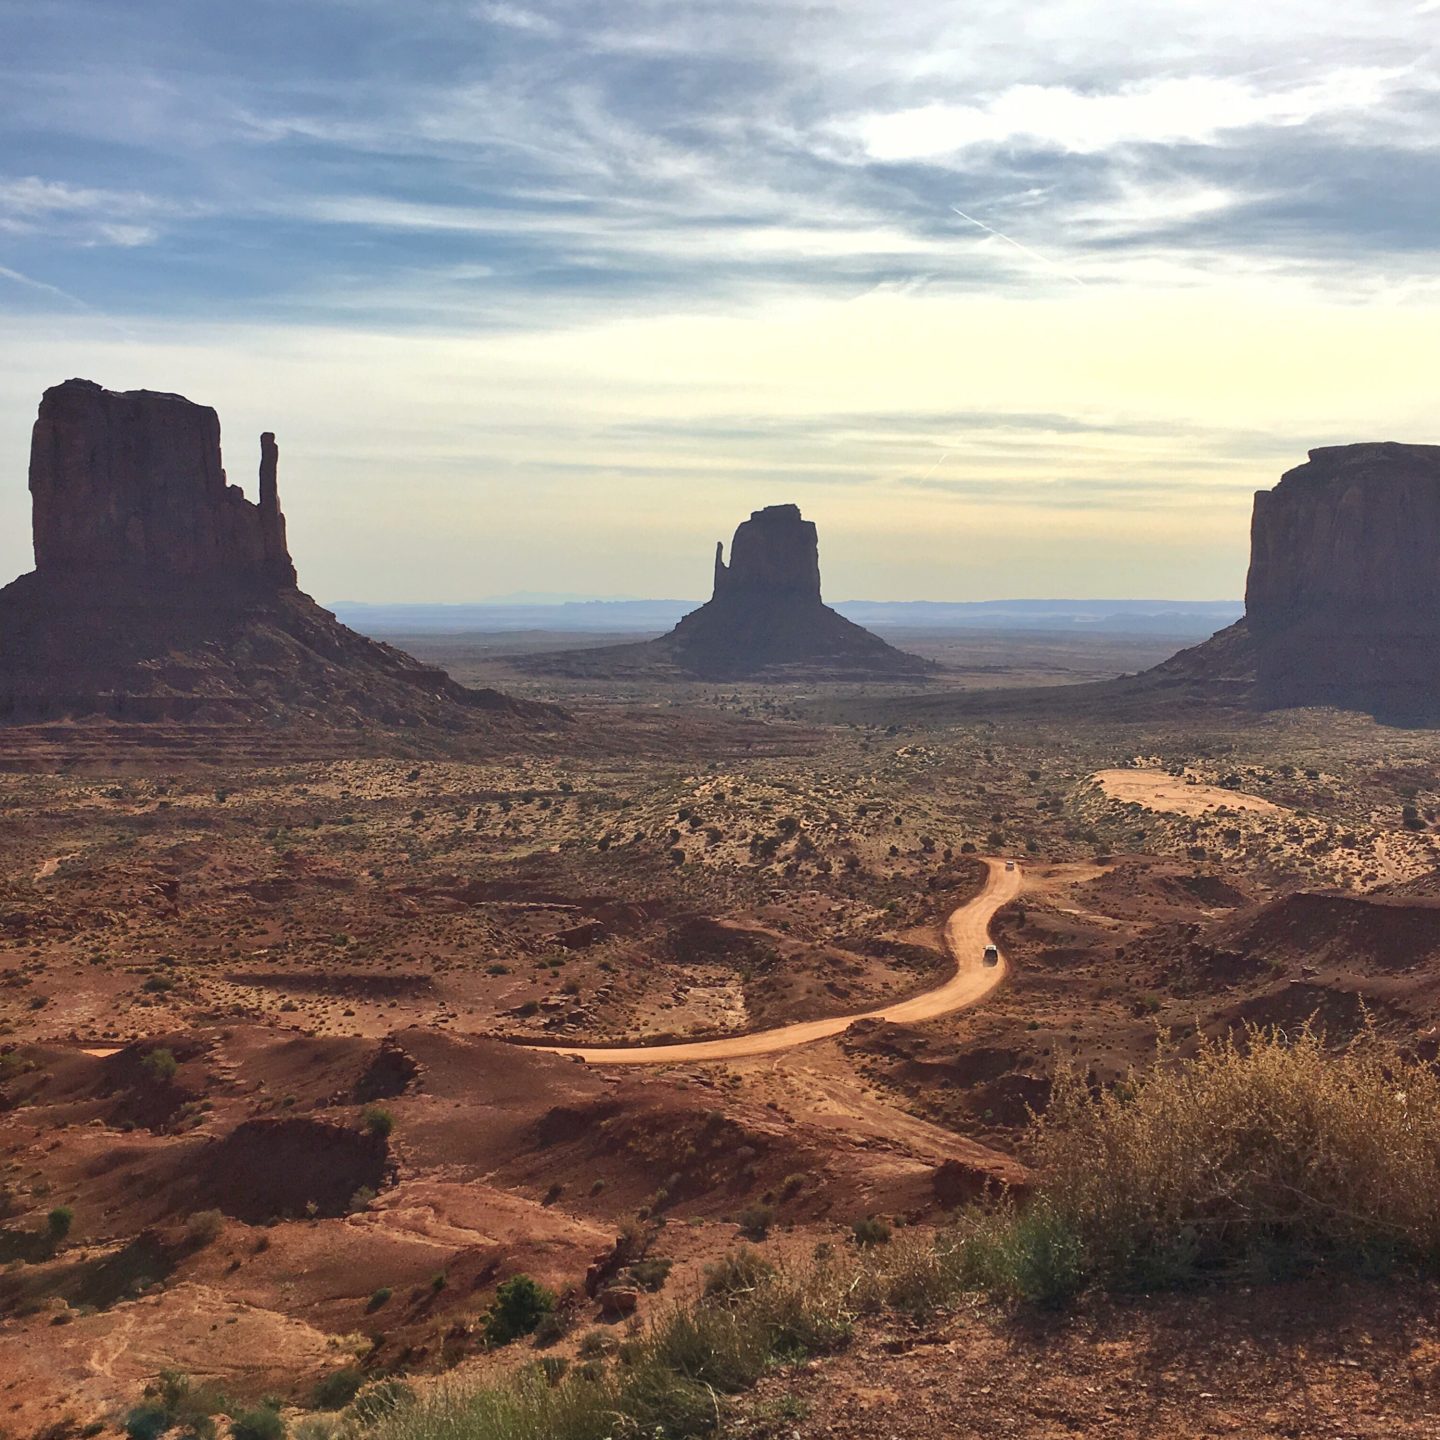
(1264, 1152)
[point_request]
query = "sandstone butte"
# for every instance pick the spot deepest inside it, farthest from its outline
(764, 620)
(162, 594)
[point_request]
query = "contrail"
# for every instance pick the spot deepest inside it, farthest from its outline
(20, 279)
(1023, 249)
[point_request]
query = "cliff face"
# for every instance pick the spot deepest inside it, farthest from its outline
(1342, 605)
(1352, 538)
(774, 558)
(161, 594)
(128, 490)
(766, 613)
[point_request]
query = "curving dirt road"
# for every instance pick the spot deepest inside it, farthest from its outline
(967, 932)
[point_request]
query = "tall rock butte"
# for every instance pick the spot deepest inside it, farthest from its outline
(1342, 603)
(161, 593)
(765, 619)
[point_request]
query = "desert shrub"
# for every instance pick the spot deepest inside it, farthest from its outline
(673, 1379)
(756, 1220)
(147, 1421)
(519, 1304)
(58, 1222)
(1034, 1254)
(652, 1272)
(551, 1327)
(204, 1227)
(377, 1299)
(872, 1230)
(338, 1388)
(595, 1344)
(377, 1121)
(379, 1399)
(175, 1403)
(737, 1273)
(160, 1064)
(1262, 1154)
(264, 1422)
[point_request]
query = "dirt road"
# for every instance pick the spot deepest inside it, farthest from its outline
(966, 933)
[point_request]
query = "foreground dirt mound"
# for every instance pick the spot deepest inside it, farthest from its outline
(1364, 933)
(268, 1169)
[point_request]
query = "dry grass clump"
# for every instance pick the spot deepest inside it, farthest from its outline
(671, 1382)
(1266, 1152)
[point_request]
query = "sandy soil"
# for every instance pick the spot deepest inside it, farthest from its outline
(1177, 794)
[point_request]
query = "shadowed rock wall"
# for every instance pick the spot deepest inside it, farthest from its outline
(127, 489)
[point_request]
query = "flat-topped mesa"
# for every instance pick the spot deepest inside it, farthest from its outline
(775, 554)
(161, 594)
(1350, 539)
(1342, 603)
(128, 490)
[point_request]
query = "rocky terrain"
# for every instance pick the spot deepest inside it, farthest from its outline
(289, 1087)
(162, 595)
(764, 619)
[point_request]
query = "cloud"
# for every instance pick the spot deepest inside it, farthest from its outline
(718, 241)
(1195, 109)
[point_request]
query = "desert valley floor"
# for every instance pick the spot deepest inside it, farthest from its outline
(287, 1037)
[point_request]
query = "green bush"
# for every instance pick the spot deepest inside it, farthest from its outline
(175, 1402)
(872, 1230)
(652, 1272)
(160, 1064)
(519, 1304)
(264, 1422)
(737, 1273)
(338, 1388)
(379, 1399)
(756, 1220)
(147, 1421)
(377, 1121)
(58, 1222)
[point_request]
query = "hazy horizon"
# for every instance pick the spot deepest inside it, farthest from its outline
(1011, 299)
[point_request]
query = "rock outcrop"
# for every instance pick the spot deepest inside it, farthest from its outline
(765, 620)
(766, 614)
(128, 492)
(161, 593)
(1342, 609)
(1342, 604)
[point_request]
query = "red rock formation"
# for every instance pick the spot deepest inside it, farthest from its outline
(764, 618)
(1342, 605)
(160, 593)
(128, 490)
(766, 613)
(774, 558)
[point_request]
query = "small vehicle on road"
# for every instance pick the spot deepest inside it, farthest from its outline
(1009, 864)
(992, 955)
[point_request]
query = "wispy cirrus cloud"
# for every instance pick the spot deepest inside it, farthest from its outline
(766, 198)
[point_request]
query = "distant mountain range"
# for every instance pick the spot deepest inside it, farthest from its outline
(1182, 619)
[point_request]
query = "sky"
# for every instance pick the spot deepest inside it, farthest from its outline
(1011, 298)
